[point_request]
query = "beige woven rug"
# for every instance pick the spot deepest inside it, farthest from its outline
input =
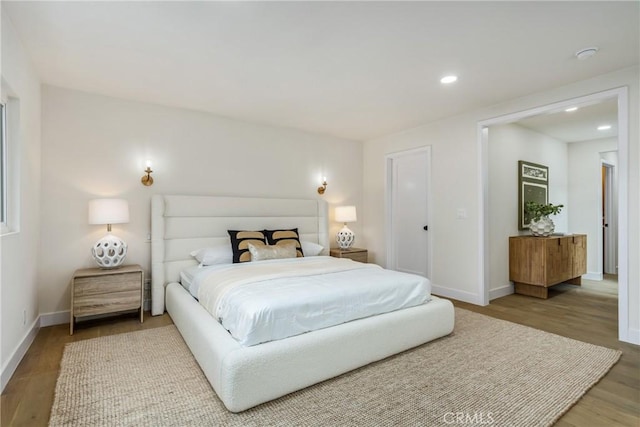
(488, 372)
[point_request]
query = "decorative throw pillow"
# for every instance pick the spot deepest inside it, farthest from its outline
(277, 237)
(240, 240)
(281, 251)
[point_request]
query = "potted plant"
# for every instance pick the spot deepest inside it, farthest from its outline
(541, 224)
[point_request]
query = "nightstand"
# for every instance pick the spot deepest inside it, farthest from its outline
(356, 254)
(97, 291)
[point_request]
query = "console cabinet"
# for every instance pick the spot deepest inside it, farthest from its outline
(536, 263)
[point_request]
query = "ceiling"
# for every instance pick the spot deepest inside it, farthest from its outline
(579, 125)
(355, 70)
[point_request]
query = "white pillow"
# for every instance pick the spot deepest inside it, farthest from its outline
(311, 249)
(281, 251)
(218, 254)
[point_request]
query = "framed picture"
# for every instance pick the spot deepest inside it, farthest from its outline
(533, 183)
(533, 172)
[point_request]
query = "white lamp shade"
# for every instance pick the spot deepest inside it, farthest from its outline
(108, 211)
(346, 214)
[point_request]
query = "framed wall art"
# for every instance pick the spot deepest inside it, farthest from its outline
(533, 186)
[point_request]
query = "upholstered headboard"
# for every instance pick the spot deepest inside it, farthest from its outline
(181, 224)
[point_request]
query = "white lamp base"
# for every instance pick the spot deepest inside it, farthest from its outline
(109, 252)
(345, 237)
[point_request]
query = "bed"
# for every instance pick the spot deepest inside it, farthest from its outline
(246, 376)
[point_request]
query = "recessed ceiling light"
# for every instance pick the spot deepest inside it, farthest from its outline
(448, 79)
(571, 109)
(604, 127)
(586, 53)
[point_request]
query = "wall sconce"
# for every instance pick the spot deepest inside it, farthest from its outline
(147, 179)
(323, 186)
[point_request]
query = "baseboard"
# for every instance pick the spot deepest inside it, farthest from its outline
(55, 318)
(592, 276)
(14, 360)
(501, 292)
(456, 294)
(633, 336)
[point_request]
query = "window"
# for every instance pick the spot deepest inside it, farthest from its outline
(9, 162)
(3, 166)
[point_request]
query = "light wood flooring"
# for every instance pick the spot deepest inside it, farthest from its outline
(587, 313)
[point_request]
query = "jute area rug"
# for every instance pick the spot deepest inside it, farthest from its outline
(488, 372)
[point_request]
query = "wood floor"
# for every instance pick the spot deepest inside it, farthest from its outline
(587, 313)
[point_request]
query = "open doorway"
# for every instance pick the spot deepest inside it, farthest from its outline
(491, 259)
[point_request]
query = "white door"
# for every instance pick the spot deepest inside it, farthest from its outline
(609, 220)
(408, 242)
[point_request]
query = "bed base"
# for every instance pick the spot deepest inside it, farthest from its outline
(244, 377)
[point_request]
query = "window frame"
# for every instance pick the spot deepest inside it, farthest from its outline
(4, 162)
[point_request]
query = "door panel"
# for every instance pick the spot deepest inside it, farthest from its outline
(409, 212)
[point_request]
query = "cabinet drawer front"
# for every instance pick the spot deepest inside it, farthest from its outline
(360, 257)
(88, 305)
(106, 284)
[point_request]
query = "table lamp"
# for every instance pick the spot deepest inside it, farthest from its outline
(110, 251)
(345, 237)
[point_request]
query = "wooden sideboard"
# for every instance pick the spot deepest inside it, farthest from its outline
(536, 263)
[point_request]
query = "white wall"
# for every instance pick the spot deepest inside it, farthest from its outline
(585, 196)
(96, 146)
(508, 144)
(18, 286)
(456, 174)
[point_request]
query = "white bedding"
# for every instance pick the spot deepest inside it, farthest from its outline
(187, 275)
(270, 300)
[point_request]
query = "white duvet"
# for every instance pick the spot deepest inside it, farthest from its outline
(270, 300)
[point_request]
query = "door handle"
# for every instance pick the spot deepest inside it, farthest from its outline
(425, 228)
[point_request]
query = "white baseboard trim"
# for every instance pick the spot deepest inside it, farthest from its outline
(592, 276)
(14, 360)
(500, 292)
(633, 336)
(55, 318)
(456, 294)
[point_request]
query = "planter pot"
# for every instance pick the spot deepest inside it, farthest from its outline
(543, 227)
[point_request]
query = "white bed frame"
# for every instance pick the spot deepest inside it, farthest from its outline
(244, 377)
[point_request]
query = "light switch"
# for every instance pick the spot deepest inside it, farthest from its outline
(461, 213)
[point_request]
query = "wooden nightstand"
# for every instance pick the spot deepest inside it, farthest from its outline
(100, 291)
(356, 254)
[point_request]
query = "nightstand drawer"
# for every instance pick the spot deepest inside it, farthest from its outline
(97, 291)
(356, 254)
(96, 285)
(88, 305)
(360, 257)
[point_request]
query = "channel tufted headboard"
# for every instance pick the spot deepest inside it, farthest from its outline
(181, 224)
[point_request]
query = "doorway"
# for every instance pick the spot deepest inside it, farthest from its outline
(408, 211)
(620, 95)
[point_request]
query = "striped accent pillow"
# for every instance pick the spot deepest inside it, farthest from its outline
(240, 240)
(275, 237)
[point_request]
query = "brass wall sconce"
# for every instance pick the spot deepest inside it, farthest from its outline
(323, 186)
(147, 179)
